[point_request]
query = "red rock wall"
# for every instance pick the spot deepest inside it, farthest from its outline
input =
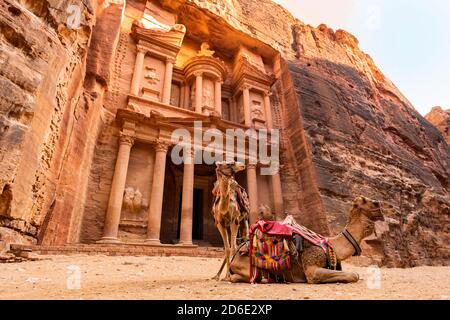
(41, 74)
(366, 139)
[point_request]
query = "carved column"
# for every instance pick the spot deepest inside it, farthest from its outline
(246, 103)
(268, 110)
(156, 201)
(137, 74)
(252, 186)
(167, 87)
(218, 96)
(182, 94)
(277, 195)
(187, 204)
(187, 96)
(112, 220)
(198, 91)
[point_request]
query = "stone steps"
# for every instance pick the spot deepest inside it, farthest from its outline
(126, 250)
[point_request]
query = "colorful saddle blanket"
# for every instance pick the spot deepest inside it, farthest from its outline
(269, 248)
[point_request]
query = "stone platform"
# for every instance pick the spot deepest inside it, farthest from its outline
(125, 250)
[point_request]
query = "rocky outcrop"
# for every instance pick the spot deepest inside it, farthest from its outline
(440, 118)
(365, 137)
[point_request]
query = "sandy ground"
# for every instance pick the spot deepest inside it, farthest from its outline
(104, 277)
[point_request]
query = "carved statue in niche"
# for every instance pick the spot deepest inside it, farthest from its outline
(257, 110)
(175, 95)
(133, 201)
(241, 114)
(208, 97)
(204, 51)
(151, 76)
(192, 98)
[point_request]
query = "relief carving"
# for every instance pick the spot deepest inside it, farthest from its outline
(257, 111)
(133, 201)
(208, 97)
(204, 51)
(151, 75)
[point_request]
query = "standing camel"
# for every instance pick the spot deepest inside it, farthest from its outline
(310, 266)
(230, 209)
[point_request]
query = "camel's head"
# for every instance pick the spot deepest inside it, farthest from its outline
(229, 168)
(371, 209)
(265, 213)
(366, 212)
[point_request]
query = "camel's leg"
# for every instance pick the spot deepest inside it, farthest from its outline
(236, 278)
(316, 275)
(234, 227)
(226, 244)
(217, 276)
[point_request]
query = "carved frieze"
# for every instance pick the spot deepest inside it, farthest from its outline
(151, 75)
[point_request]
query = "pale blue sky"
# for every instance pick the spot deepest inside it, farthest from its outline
(408, 39)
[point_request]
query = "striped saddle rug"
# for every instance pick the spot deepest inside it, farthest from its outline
(270, 249)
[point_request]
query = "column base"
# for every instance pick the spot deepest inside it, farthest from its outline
(185, 243)
(109, 240)
(152, 241)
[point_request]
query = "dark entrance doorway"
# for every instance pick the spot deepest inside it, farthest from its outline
(197, 215)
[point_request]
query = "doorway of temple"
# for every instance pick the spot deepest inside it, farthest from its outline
(197, 216)
(204, 231)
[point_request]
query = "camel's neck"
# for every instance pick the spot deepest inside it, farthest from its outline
(224, 192)
(344, 249)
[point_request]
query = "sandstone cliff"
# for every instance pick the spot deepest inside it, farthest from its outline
(440, 118)
(346, 129)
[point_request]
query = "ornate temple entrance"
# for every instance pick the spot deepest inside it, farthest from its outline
(204, 232)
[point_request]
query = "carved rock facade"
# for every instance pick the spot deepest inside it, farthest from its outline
(69, 94)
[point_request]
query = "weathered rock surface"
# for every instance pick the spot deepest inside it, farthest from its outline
(346, 129)
(440, 118)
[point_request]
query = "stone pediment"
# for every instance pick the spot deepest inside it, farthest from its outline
(171, 39)
(245, 70)
(205, 63)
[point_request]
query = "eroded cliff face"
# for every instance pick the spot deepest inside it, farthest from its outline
(440, 118)
(366, 138)
(54, 70)
(42, 70)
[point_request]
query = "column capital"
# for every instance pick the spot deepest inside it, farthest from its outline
(141, 49)
(126, 139)
(246, 87)
(171, 60)
(198, 73)
(161, 146)
(219, 80)
(268, 93)
(252, 166)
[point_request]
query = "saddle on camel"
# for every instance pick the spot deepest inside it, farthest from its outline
(284, 251)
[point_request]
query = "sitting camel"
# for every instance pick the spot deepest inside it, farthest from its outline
(310, 266)
(230, 209)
